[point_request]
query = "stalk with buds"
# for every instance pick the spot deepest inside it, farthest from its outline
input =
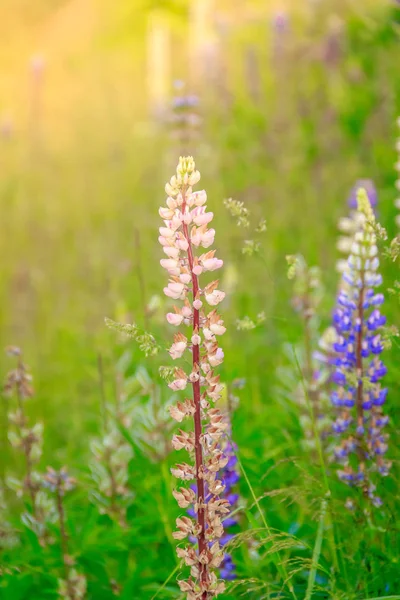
(348, 226)
(359, 397)
(185, 229)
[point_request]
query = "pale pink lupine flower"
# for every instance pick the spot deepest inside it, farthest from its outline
(199, 198)
(178, 243)
(168, 263)
(174, 290)
(212, 264)
(215, 297)
(178, 384)
(166, 213)
(171, 251)
(202, 218)
(217, 329)
(178, 347)
(197, 270)
(208, 238)
(166, 232)
(174, 319)
(196, 339)
(217, 358)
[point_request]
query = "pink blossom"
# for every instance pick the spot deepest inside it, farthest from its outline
(182, 243)
(171, 251)
(166, 213)
(186, 311)
(197, 304)
(217, 358)
(203, 219)
(215, 297)
(174, 319)
(168, 263)
(217, 329)
(185, 277)
(177, 349)
(197, 270)
(199, 198)
(196, 339)
(166, 232)
(212, 264)
(207, 238)
(178, 384)
(208, 334)
(172, 203)
(174, 290)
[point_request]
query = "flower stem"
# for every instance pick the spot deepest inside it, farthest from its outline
(201, 539)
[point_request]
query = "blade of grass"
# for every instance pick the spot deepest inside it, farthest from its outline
(316, 551)
(331, 532)
(170, 576)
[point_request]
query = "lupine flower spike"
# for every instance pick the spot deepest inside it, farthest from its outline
(185, 229)
(359, 397)
(28, 439)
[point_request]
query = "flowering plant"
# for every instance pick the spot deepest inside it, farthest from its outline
(185, 209)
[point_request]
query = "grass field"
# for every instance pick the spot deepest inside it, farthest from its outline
(300, 106)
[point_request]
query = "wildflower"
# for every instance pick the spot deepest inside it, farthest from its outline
(28, 439)
(185, 229)
(359, 397)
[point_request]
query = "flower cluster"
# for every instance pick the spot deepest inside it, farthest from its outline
(229, 476)
(359, 396)
(348, 226)
(28, 439)
(397, 167)
(185, 228)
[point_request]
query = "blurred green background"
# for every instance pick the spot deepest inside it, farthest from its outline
(297, 101)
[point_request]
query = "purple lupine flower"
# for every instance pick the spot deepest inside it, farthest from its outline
(229, 477)
(359, 397)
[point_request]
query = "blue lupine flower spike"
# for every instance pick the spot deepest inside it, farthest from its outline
(359, 396)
